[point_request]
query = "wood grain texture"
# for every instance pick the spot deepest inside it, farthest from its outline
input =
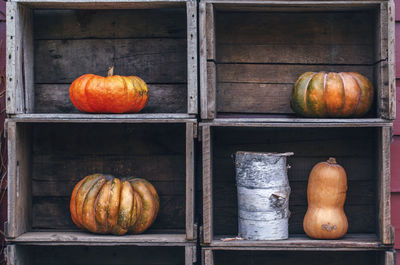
(208, 202)
(350, 242)
(74, 255)
(258, 54)
(163, 98)
(383, 186)
(190, 255)
(192, 65)
(210, 34)
(191, 233)
(298, 257)
(88, 239)
(64, 153)
(19, 58)
(19, 184)
(354, 148)
(391, 61)
(208, 257)
(390, 258)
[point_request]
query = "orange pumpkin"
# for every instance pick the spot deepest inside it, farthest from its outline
(326, 194)
(104, 204)
(111, 94)
(324, 94)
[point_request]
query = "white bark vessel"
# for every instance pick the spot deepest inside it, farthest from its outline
(263, 195)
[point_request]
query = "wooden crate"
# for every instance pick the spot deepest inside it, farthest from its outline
(46, 159)
(51, 43)
(74, 255)
(251, 52)
(246, 256)
(363, 151)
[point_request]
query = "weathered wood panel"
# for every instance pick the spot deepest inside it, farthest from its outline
(103, 24)
(299, 257)
(155, 60)
(259, 58)
(169, 98)
(354, 148)
(64, 153)
(78, 255)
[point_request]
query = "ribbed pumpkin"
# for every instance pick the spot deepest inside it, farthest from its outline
(324, 94)
(326, 194)
(111, 94)
(104, 204)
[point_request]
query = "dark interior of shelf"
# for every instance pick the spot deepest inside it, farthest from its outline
(149, 43)
(354, 148)
(62, 154)
(80, 255)
(297, 257)
(260, 55)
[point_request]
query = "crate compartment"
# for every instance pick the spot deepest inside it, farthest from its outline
(236, 257)
(80, 255)
(153, 42)
(354, 148)
(52, 157)
(256, 53)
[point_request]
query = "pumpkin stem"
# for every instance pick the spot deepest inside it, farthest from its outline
(331, 160)
(110, 71)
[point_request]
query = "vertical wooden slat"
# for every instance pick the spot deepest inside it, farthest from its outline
(19, 191)
(20, 91)
(385, 231)
(390, 258)
(190, 255)
(391, 61)
(211, 89)
(190, 199)
(191, 11)
(208, 257)
(207, 185)
(210, 22)
(207, 93)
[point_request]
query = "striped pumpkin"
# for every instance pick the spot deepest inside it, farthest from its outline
(324, 94)
(104, 204)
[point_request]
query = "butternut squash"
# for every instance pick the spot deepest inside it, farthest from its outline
(326, 194)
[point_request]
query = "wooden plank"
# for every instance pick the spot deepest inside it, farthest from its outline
(203, 61)
(350, 241)
(254, 98)
(19, 58)
(208, 206)
(88, 239)
(161, 61)
(383, 184)
(210, 34)
(391, 61)
(291, 4)
(122, 255)
(191, 233)
(341, 257)
(163, 98)
(208, 257)
(190, 255)
(191, 11)
(19, 184)
(278, 74)
(102, 4)
(120, 24)
(104, 118)
(390, 258)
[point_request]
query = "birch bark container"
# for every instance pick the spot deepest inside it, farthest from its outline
(263, 195)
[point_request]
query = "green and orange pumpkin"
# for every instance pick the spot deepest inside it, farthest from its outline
(104, 204)
(112, 94)
(328, 94)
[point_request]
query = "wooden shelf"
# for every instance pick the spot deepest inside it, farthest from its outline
(83, 238)
(297, 242)
(105, 118)
(297, 122)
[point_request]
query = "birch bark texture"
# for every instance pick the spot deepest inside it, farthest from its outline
(263, 195)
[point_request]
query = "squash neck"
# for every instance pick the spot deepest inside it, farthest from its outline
(332, 160)
(110, 71)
